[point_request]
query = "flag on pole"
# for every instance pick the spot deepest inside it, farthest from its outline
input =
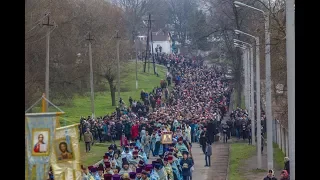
(40, 132)
(65, 157)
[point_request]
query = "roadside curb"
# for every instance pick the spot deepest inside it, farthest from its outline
(228, 169)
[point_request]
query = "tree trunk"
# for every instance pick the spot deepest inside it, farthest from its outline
(113, 95)
(239, 95)
(113, 92)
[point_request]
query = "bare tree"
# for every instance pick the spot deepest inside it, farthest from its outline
(69, 67)
(180, 12)
(225, 17)
(134, 12)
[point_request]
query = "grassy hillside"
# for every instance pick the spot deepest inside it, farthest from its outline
(81, 105)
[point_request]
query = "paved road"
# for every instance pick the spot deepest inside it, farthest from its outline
(219, 162)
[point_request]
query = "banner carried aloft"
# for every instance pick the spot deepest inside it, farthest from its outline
(40, 132)
(65, 156)
(166, 137)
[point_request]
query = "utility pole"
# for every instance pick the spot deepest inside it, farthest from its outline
(268, 93)
(136, 49)
(91, 76)
(118, 43)
(252, 98)
(153, 61)
(290, 48)
(148, 51)
(245, 79)
(47, 61)
(258, 103)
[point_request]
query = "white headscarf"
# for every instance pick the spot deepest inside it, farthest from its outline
(286, 159)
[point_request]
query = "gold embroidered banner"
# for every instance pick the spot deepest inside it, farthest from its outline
(65, 156)
(40, 132)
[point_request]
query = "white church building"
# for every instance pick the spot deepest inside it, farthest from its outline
(159, 38)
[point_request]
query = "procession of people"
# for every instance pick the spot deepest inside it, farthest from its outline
(190, 112)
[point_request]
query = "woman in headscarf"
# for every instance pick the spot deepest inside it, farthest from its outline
(287, 164)
(153, 143)
(117, 158)
(284, 175)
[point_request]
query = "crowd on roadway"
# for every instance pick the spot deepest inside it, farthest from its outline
(192, 111)
(195, 110)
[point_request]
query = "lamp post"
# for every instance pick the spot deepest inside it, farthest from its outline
(268, 82)
(257, 95)
(251, 90)
(247, 80)
(245, 69)
(244, 58)
(290, 49)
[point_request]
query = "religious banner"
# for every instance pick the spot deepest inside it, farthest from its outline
(65, 156)
(40, 133)
(166, 137)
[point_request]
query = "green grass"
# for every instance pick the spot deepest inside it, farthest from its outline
(238, 153)
(81, 105)
(255, 171)
(278, 155)
(96, 153)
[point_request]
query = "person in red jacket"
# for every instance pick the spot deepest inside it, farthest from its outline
(134, 131)
(123, 141)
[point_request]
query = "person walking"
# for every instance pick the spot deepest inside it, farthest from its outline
(262, 143)
(208, 154)
(145, 141)
(287, 164)
(203, 140)
(225, 129)
(284, 175)
(88, 139)
(249, 133)
(186, 165)
(270, 175)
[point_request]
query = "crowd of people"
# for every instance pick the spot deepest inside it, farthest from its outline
(239, 125)
(192, 111)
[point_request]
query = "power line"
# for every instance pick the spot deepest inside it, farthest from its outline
(37, 23)
(42, 37)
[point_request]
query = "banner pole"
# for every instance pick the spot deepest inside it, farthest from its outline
(43, 103)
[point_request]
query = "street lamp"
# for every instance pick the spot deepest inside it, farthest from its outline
(245, 68)
(246, 79)
(258, 96)
(245, 57)
(290, 50)
(251, 89)
(268, 82)
(135, 37)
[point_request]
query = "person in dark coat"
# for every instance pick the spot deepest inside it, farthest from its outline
(225, 129)
(270, 175)
(203, 140)
(208, 154)
(287, 164)
(210, 131)
(185, 165)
